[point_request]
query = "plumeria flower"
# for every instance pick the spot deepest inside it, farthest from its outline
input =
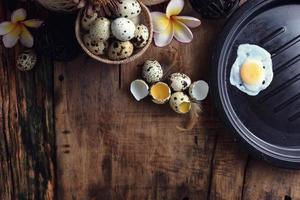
(17, 29)
(169, 25)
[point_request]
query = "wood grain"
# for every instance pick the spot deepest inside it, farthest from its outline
(111, 147)
(263, 181)
(27, 139)
(73, 131)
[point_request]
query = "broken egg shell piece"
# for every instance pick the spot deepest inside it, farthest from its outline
(198, 90)
(139, 89)
(180, 103)
(179, 82)
(160, 93)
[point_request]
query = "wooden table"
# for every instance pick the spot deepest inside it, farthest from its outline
(71, 130)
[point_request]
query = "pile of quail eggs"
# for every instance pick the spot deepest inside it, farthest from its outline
(118, 37)
(179, 90)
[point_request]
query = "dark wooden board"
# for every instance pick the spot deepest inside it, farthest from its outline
(73, 131)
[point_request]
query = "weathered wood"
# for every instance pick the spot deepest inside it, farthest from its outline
(27, 133)
(229, 167)
(112, 147)
(263, 181)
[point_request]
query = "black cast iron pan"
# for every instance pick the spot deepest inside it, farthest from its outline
(269, 123)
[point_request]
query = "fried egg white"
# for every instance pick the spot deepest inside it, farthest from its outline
(252, 70)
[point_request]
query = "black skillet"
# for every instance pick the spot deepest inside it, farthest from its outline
(269, 123)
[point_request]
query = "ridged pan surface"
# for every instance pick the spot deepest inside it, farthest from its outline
(269, 123)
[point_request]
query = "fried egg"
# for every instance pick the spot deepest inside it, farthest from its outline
(252, 70)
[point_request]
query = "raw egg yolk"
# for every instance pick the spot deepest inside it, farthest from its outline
(160, 91)
(184, 107)
(252, 72)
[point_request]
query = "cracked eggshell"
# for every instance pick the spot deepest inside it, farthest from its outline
(120, 50)
(152, 71)
(26, 60)
(179, 82)
(141, 36)
(160, 93)
(198, 90)
(139, 89)
(128, 8)
(123, 29)
(100, 29)
(96, 48)
(87, 20)
(180, 103)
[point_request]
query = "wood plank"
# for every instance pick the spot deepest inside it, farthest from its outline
(229, 167)
(27, 133)
(264, 181)
(111, 147)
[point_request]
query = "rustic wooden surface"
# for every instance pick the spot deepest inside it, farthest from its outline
(72, 131)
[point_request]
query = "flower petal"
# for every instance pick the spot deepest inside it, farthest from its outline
(26, 38)
(33, 23)
(164, 38)
(11, 39)
(160, 21)
(18, 15)
(191, 22)
(182, 33)
(174, 7)
(6, 27)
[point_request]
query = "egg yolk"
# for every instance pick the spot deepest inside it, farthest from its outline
(252, 72)
(160, 91)
(184, 107)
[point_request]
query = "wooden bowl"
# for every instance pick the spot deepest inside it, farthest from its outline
(145, 18)
(152, 2)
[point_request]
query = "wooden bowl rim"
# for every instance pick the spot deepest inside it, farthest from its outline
(116, 62)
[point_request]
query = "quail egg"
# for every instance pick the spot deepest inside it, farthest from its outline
(252, 70)
(97, 48)
(198, 90)
(120, 50)
(139, 89)
(152, 71)
(87, 20)
(179, 82)
(128, 8)
(160, 93)
(100, 29)
(141, 36)
(180, 103)
(136, 20)
(123, 29)
(26, 60)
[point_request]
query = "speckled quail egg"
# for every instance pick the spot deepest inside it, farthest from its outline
(87, 20)
(26, 60)
(136, 20)
(180, 103)
(179, 82)
(160, 93)
(123, 29)
(128, 8)
(141, 36)
(120, 50)
(100, 29)
(152, 71)
(96, 48)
